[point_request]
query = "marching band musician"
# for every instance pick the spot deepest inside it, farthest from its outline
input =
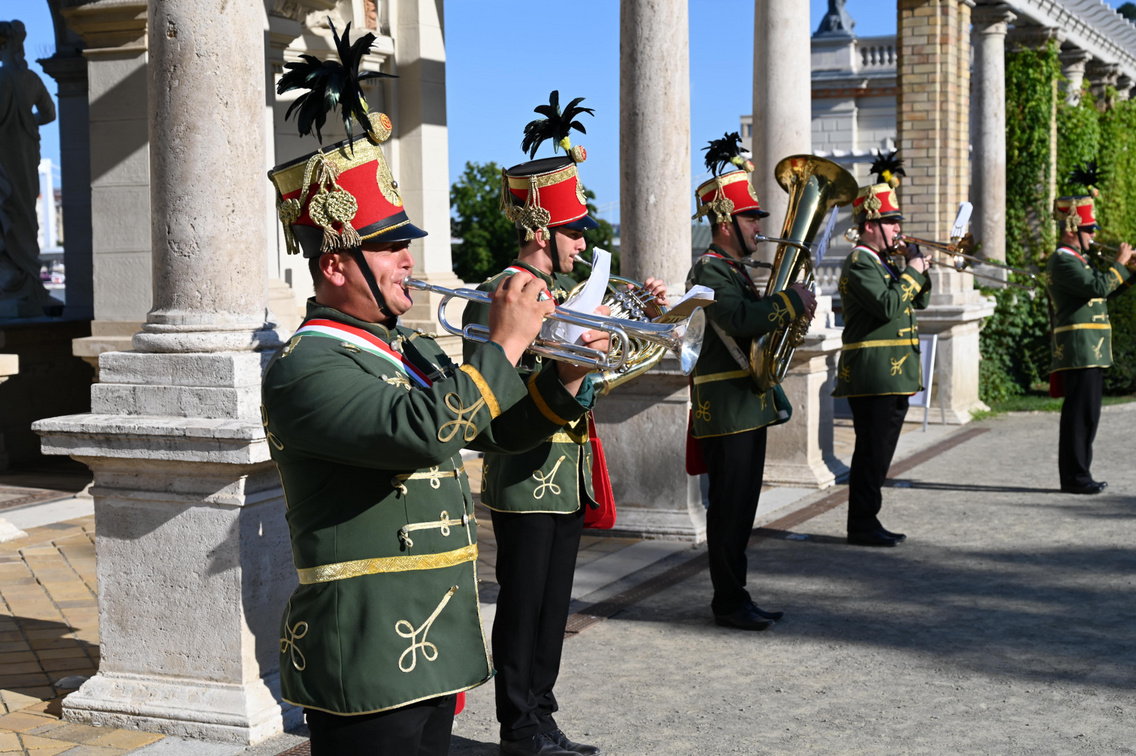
(1082, 335)
(537, 499)
(729, 416)
(879, 366)
(365, 420)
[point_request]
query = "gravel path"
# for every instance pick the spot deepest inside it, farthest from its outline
(1003, 626)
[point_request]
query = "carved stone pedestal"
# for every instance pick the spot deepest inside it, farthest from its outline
(194, 564)
(643, 427)
(957, 318)
(800, 452)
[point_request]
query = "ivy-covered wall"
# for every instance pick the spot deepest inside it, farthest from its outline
(1015, 341)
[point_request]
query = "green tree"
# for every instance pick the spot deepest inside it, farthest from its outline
(1128, 10)
(489, 239)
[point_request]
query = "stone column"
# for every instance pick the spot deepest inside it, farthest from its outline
(1073, 69)
(988, 183)
(799, 453)
(69, 69)
(114, 32)
(1101, 76)
(643, 423)
(1124, 86)
(782, 101)
(420, 151)
(193, 557)
(933, 121)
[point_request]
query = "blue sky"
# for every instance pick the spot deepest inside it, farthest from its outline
(505, 56)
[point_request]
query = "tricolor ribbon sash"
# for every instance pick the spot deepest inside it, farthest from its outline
(368, 342)
(514, 269)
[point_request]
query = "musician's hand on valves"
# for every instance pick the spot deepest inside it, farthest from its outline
(659, 290)
(516, 313)
(573, 375)
(1125, 255)
(808, 299)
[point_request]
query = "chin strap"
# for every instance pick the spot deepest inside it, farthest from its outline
(369, 277)
(741, 239)
(555, 252)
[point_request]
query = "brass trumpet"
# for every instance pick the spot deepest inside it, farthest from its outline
(683, 338)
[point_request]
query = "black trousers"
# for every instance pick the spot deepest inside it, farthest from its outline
(418, 729)
(735, 466)
(1080, 415)
(878, 421)
(536, 561)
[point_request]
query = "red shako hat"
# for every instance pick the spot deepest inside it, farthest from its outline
(879, 201)
(731, 193)
(1078, 211)
(547, 193)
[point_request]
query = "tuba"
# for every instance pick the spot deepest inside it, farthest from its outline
(815, 186)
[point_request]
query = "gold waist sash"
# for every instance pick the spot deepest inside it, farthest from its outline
(325, 573)
(881, 343)
(1083, 326)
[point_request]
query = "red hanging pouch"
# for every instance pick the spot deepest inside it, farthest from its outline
(603, 517)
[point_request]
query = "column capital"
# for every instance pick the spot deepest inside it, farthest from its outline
(1124, 84)
(1074, 60)
(1033, 37)
(992, 19)
(1102, 73)
(109, 26)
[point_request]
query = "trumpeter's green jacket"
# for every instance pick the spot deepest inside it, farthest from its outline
(724, 398)
(881, 337)
(1082, 335)
(379, 507)
(556, 475)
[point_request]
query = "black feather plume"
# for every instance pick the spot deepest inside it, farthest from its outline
(888, 167)
(723, 154)
(330, 84)
(1087, 175)
(555, 125)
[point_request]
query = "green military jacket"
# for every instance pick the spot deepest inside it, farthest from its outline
(881, 337)
(379, 508)
(1082, 335)
(556, 475)
(724, 398)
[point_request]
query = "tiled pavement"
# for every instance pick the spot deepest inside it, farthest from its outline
(49, 636)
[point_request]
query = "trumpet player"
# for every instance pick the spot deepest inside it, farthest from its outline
(538, 499)
(729, 416)
(365, 420)
(879, 365)
(1082, 335)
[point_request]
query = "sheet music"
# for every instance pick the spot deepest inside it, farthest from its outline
(586, 301)
(826, 236)
(962, 220)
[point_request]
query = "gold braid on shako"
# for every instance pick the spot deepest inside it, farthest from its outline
(723, 157)
(1065, 209)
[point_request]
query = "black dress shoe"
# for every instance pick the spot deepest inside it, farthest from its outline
(896, 536)
(558, 737)
(538, 745)
(1092, 487)
(764, 614)
(743, 619)
(871, 538)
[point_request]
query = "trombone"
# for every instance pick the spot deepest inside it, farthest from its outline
(683, 338)
(1113, 258)
(961, 249)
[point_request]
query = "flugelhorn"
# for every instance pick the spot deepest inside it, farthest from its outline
(814, 185)
(684, 338)
(629, 300)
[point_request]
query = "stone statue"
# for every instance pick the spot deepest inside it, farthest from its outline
(836, 22)
(25, 105)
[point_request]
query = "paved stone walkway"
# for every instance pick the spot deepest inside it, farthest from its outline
(1009, 608)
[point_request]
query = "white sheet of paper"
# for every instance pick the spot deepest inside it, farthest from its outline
(962, 220)
(586, 302)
